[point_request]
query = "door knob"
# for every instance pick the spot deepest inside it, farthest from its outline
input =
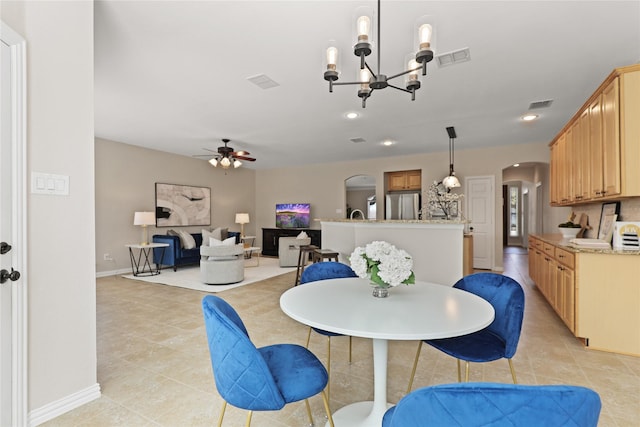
(4, 248)
(5, 275)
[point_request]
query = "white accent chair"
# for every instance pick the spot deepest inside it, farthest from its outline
(289, 249)
(221, 265)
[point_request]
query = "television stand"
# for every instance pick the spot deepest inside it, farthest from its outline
(271, 236)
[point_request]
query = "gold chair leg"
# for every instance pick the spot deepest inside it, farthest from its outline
(350, 349)
(249, 418)
(466, 372)
(325, 399)
(415, 365)
(329, 367)
(459, 374)
(224, 407)
(306, 402)
(513, 371)
(308, 337)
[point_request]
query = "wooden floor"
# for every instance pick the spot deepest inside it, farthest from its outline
(154, 368)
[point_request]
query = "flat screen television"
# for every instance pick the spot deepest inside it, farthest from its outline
(292, 215)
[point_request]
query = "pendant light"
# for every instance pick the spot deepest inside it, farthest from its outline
(451, 181)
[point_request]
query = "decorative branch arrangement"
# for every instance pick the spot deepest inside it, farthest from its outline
(441, 203)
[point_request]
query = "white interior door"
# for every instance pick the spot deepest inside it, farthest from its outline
(480, 195)
(13, 361)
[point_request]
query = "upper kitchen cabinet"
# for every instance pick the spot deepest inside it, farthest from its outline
(404, 180)
(596, 156)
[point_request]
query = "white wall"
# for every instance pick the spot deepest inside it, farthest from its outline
(61, 229)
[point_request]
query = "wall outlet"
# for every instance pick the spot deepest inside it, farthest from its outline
(107, 257)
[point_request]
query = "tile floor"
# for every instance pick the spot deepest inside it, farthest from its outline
(154, 368)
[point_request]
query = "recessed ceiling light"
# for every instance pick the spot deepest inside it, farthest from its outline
(529, 117)
(388, 142)
(352, 115)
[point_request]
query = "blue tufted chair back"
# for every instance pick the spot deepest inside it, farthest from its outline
(326, 270)
(492, 404)
(242, 376)
(506, 297)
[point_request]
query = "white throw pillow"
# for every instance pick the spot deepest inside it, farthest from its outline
(302, 235)
(206, 235)
(186, 239)
(226, 242)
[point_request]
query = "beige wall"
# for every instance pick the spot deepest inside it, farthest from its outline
(61, 229)
(323, 185)
(125, 183)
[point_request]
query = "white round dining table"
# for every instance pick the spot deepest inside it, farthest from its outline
(410, 312)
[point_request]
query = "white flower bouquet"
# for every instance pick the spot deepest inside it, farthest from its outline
(383, 264)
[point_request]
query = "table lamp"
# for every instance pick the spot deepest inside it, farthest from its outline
(242, 219)
(144, 219)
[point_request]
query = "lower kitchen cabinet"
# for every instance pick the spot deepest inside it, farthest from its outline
(596, 293)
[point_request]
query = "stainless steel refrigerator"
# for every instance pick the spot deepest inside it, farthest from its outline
(402, 206)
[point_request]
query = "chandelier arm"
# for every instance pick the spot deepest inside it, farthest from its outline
(370, 70)
(346, 83)
(399, 88)
(403, 73)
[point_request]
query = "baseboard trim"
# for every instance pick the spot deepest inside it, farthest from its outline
(64, 405)
(112, 272)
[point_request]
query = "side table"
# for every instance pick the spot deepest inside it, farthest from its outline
(248, 252)
(141, 265)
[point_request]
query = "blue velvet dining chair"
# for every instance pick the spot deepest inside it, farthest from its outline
(323, 271)
(497, 405)
(496, 341)
(258, 379)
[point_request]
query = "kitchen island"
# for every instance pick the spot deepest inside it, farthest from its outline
(435, 245)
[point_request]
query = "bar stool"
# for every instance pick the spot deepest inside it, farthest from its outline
(303, 255)
(325, 254)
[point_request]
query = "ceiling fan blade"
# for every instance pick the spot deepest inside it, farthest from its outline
(248, 159)
(206, 149)
(202, 155)
(240, 153)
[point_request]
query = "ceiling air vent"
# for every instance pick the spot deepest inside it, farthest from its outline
(540, 104)
(455, 57)
(357, 140)
(262, 81)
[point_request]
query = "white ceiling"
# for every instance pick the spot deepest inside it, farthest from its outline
(172, 75)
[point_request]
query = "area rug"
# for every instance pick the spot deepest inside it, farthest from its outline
(189, 277)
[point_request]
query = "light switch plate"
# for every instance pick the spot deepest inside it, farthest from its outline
(46, 183)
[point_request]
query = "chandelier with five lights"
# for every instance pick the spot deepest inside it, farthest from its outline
(370, 80)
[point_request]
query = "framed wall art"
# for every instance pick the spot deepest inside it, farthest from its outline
(182, 205)
(610, 212)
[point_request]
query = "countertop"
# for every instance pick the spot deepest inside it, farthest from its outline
(394, 221)
(557, 240)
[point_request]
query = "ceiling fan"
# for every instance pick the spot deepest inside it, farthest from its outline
(225, 156)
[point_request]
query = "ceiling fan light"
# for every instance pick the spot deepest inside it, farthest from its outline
(237, 163)
(225, 162)
(214, 162)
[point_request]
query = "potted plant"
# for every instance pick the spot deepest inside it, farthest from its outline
(569, 229)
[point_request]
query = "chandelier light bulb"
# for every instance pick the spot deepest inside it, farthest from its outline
(364, 28)
(424, 36)
(412, 65)
(332, 58)
(364, 79)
